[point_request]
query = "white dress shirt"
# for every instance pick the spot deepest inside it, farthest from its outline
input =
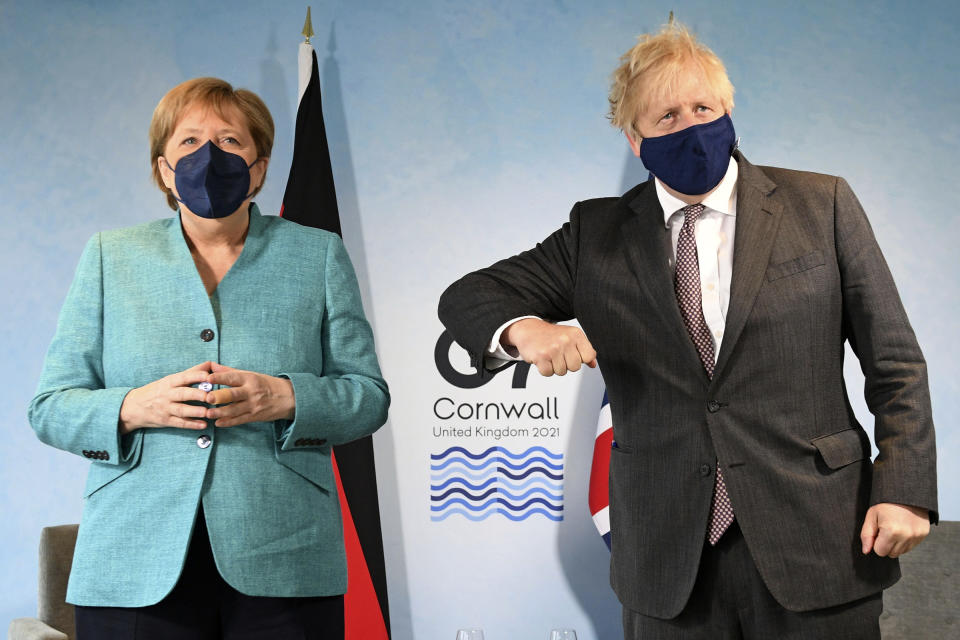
(714, 232)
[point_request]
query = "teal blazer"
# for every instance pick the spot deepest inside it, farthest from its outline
(137, 311)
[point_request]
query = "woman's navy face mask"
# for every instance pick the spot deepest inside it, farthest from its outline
(211, 182)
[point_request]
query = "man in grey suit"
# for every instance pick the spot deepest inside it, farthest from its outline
(717, 297)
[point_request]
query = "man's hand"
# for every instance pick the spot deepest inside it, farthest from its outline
(553, 349)
(893, 529)
(248, 397)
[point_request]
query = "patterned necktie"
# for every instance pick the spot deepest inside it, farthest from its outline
(686, 284)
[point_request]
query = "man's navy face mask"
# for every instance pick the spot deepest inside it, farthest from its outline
(692, 161)
(212, 183)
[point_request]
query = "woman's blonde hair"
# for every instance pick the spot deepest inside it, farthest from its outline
(651, 70)
(215, 94)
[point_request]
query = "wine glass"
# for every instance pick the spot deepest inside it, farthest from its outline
(474, 633)
(563, 634)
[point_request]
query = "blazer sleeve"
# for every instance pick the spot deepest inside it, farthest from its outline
(539, 282)
(895, 372)
(349, 399)
(72, 409)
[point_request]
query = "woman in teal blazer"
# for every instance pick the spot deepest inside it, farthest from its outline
(268, 314)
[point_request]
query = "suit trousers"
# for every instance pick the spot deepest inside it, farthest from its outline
(730, 601)
(202, 606)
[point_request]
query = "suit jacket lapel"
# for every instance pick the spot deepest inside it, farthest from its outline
(648, 250)
(186, 268)
(758, 217)
(192, 289)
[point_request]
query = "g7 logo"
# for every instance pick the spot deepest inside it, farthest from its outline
(441, 356)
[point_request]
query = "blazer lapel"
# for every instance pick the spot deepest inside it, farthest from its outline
(648, 249)
(192, 287)
(252, 246)
(758, 217)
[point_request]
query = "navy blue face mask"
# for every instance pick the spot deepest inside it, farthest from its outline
(692, 161)
(212, 183)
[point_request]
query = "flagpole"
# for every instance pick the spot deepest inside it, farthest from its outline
(310, 199)
(304, 58)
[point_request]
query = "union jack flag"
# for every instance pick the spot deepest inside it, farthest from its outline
(599, 496)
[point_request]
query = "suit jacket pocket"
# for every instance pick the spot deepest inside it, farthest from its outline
(790, 267)
(843, 448)
(312, 464)
(102, 474)
(627, 484)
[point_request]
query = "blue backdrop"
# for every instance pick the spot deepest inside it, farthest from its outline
(461, 132)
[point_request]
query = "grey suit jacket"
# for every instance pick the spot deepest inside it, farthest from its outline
(807, 276)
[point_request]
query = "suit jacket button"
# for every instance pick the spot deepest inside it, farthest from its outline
(206, 335)
(705, 470)
(713, 406)
(203, 441)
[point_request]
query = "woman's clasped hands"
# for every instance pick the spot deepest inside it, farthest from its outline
(175, 401)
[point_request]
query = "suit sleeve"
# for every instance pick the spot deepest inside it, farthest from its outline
(349, 400)
(539, 282)
(73, 410)
(895, 372)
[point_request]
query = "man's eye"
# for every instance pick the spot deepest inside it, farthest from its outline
(666, 116)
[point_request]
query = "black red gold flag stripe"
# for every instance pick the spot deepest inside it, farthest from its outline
(310, 199)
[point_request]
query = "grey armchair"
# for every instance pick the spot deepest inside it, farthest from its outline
(54, 619)
(926, 601)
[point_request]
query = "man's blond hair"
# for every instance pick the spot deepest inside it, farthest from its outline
(652, 68)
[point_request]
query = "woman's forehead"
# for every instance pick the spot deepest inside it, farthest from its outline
(202, 114)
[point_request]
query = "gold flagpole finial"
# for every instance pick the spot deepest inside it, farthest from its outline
(307, 27)
(669, 19)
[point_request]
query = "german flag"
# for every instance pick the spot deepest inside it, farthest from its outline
(311, 199)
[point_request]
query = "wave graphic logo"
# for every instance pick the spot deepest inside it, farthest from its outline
(496, 481)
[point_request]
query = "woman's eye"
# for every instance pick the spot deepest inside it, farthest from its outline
(229, 140)
(190, 140)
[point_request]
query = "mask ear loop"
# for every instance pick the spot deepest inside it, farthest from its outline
(248, 169)
(174, 172)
